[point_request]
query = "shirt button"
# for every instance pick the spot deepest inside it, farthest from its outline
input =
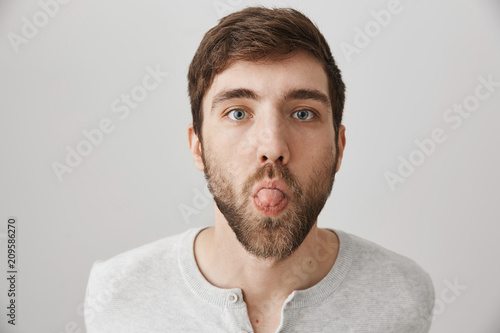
(232, 298)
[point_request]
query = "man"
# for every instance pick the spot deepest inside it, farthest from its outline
(267, 102)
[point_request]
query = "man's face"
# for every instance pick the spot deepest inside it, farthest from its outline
(268, 150)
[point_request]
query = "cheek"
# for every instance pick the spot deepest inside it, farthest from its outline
(225, 164)
(313, 155)
(230, 149)
(311, 149)
(238, 152)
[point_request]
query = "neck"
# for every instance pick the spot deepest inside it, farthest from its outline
(225, 263)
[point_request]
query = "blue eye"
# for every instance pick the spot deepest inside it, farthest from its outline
(237, 114)
(303, 114)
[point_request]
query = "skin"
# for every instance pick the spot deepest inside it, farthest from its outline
(271, 130)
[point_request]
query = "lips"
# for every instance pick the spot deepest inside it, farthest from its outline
(270, 197)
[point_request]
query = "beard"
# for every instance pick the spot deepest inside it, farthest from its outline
(268, 237)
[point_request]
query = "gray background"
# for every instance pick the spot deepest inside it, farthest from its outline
(132, 187)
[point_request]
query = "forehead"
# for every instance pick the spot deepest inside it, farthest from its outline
(271, 78)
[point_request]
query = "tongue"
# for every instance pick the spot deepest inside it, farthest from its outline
(270, 197)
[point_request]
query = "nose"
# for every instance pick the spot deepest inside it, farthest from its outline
(272, 140)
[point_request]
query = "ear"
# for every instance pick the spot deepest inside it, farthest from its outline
(195, 147)
(341, 146)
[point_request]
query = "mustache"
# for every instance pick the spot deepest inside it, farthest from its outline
(273, 171)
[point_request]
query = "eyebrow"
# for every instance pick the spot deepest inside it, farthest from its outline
(234, 93)
(313, 94)
(293, 94)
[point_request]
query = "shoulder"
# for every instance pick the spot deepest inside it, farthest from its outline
(138, 260)
(123, 280)
(375, 260)
(391, 281)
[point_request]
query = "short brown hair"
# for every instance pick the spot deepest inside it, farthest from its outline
(258, 33)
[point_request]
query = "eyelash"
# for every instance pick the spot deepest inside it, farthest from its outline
(313, 114)
(229, 112)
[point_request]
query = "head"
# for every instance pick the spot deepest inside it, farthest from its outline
(267, 102)
(254, 34)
